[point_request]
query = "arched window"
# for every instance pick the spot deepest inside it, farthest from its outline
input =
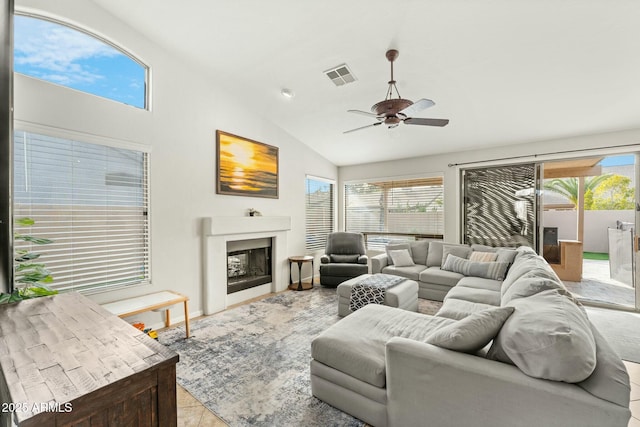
(66, 56)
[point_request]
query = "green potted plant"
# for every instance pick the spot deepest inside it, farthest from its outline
(30, 277)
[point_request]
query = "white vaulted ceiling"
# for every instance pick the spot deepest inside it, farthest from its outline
(503, 71)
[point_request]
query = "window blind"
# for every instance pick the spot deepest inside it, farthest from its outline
(92, 201)
(413, 206)
(319, 213)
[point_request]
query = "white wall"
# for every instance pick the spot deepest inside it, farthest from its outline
(187, 108)
(596, 224)
(535, 151)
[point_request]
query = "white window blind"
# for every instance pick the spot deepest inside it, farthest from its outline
(405, 207)
(319, 212)
(92, 201)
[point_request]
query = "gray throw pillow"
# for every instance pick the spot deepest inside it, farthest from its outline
(487, 270)
(462, 251)
(401, 258)
(394, 247)
(419, 251)
(473, 332)
(548, 336)
(506, 255)
(344, 258)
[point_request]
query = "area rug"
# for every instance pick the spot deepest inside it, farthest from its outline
(621, 329)
(250, 365)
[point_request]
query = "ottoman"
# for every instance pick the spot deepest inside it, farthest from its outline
(404, 295)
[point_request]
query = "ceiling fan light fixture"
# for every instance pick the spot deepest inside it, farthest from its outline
(394, 110)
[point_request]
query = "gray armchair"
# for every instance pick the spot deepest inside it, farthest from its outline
(345, 257)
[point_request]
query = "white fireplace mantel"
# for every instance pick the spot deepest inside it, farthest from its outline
(223, 225)
(216, 232)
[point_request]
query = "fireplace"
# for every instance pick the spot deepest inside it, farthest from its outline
(248, 264)
(219, 231)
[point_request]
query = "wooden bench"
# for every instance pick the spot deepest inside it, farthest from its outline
(156, 301)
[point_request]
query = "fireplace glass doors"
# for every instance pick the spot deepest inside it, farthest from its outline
(248, 264)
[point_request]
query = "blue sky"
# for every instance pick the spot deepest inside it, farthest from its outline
(618, 160)
(64, 56)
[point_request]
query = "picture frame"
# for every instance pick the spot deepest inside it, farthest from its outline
(246, 167)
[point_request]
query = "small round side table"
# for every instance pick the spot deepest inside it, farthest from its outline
(300, 286)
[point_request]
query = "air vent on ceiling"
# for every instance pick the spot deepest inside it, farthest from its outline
(340, 75)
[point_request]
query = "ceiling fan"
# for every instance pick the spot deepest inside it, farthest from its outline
(392, 111)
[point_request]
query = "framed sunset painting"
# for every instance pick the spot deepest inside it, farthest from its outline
(246, 167)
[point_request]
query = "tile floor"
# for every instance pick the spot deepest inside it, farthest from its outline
(634, 374)
(192, 413)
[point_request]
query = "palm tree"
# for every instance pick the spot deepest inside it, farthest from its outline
(568, 187)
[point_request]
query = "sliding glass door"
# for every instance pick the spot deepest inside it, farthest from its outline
(500, 205)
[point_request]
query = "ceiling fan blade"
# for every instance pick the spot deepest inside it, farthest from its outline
(417, 106)
(426, 122)
(363, 113)
(363, 127)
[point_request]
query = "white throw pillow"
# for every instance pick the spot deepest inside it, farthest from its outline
(473, 332)
(401, 258)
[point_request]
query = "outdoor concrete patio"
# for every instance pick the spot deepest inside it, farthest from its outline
(597, 285)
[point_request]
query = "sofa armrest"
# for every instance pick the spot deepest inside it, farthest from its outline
(325, 259)
(379, 262)
(448, 388)
(363, 259)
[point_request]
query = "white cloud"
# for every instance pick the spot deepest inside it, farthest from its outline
(56, 51)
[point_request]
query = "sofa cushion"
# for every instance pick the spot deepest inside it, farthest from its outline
(480, 283)
(527, 261)
(488, 270)
(434, 257)
(506, 255)
(438, 276)
(471, 333)
(548, 337)
(455, 250)
(344, 258)
(401, 258)
(419, 251)
(356, 344)
(478, 256)
(527, 285)
(610, 380)
(483, 296)
(457, 309)
(395, 247)
(411, 272)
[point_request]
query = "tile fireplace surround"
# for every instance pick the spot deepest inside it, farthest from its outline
(216, 232)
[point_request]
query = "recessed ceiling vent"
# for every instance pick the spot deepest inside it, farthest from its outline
(340, 75)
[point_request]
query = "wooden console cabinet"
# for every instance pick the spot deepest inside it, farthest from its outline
(66, 361)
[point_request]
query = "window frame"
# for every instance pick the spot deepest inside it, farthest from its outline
(395, 236)
(333, 184)
(103, 39)
(54, 132)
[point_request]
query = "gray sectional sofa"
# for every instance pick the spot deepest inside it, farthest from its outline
(514, 352)
(434, 282)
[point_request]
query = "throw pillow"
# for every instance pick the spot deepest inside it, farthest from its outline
(344, 258)
(473, 332)
(401, 258)
(394, 247)
(506, 255)
(483, 256)
(548, 337)
(419, 251)
(462, 251)
(488, 270)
